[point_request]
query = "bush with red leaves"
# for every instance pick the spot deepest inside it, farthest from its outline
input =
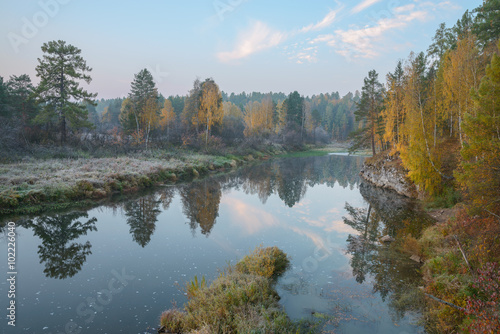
(483, 306)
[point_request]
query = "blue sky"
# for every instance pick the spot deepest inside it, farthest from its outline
(245, 45)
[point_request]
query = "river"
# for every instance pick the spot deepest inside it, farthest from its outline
(116, 267)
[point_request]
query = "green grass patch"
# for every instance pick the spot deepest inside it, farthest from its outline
(302, 154)
(446, 199)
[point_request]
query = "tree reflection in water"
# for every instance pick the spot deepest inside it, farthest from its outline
(362, 246)
(287, 178)
(200, 202)
(62, 257)
(290, 178)
(392, 273)
(142, 215)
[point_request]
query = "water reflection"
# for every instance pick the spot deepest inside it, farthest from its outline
(201, 201)
(305, 200)
(142, 215)
(63, 258)
(288, 178)
(393, 275)
(362, 246)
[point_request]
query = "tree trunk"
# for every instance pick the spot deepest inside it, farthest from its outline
(373, 141)
(206, 137)
(63, 130)
(61, 106)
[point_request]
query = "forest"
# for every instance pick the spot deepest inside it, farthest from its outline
(438, 113)
(59, 112)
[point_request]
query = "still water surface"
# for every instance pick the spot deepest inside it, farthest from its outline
(115, 268)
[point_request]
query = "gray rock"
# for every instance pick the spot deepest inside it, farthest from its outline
(388, 174)
(386, 238)
(416, 258)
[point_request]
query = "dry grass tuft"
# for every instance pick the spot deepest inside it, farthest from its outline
(241, 300)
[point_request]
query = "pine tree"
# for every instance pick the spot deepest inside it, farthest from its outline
(142, 90)
(368, 112)
(480, 174)
(487, 22)
(60, 71)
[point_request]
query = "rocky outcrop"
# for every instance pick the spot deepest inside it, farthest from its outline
(386, 171)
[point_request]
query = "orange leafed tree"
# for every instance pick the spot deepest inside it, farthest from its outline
(394, 112)
(210, 111)
(149, 118)
(259, 118)
(417, 153)
(167, 117)
(462, 72)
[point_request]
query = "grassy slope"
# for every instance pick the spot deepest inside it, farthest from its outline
(37, 185)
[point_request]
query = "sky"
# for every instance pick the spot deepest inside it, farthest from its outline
(244, 45)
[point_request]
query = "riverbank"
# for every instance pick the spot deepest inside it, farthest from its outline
(34, 185)
(386, 171)
(459, 253)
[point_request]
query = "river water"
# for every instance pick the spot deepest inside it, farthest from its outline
(116, 267)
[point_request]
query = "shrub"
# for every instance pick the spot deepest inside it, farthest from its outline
(240, 300)
(268, 262)
(173, 319)
(483, 306)
(229, 300)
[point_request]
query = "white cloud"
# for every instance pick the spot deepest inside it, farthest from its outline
(405, 8)
(363, 5)
(326, 22)
(251, 218)
(328, 39)
(444, 5)
(356, 43)
(258, 38)
(305, 55)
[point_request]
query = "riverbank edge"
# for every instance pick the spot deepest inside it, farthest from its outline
(447, 276)
(22, 199)
(386, 171)
(87, 191)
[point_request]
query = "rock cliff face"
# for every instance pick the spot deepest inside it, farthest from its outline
(386, 171)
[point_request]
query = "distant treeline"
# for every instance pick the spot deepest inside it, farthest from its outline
(331, 115)
(59, 111)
